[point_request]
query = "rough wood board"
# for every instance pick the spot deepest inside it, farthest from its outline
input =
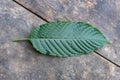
(19, 61)
(104, 14)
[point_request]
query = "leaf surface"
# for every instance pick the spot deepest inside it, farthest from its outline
(66, 38)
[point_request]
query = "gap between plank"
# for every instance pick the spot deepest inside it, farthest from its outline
(31, 11)
(48, 21)
(107, 59)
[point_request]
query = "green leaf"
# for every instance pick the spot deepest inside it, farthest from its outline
(66, 38)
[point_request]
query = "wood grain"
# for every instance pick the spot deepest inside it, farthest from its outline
(19, 61)
(103, 14)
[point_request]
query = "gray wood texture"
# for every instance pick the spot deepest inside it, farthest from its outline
(19, 61)
(103, 14)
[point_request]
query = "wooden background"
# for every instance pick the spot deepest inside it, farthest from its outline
(19, 61)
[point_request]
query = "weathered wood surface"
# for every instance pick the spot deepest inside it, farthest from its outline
(19, 61)
(104, 14)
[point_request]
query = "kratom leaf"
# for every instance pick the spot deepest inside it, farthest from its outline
(66, 38)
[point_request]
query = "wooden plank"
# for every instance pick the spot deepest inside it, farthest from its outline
(19, 61)
(104, 14)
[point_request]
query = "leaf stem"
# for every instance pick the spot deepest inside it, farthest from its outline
(21, 39)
